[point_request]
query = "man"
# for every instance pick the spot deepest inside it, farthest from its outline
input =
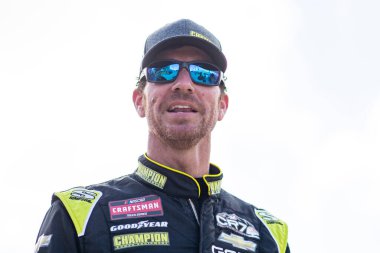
(173, 202)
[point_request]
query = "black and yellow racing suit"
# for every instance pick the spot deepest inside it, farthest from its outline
(158, 209)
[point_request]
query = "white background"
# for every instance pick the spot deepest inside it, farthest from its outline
(301, 137)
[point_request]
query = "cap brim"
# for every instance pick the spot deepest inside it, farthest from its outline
(216, 55)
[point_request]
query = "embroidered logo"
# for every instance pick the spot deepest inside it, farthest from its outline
(267, 217)
(141, 239)
(215, 187)
(237, 224)
(83, 195)
(43, 241)
(141, 224)
(146, 206)
(215, 249)
(151, 176)
(238, 241)
(198, 35)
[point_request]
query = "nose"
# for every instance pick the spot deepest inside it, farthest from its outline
(183, 82)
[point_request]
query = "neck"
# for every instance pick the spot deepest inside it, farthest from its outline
(194, 161)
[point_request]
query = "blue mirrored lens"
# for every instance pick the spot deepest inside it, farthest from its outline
(205, 74)
(200, 73)
(163, 73)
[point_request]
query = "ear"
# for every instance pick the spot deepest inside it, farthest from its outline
(223, 106)
(137, 98)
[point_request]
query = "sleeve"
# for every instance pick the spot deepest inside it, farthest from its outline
(57, 233)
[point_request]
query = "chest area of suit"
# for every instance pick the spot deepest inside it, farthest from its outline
(154, 223)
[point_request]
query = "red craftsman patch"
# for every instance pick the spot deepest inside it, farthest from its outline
(146, 206)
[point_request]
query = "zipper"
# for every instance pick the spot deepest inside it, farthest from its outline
(194, 211)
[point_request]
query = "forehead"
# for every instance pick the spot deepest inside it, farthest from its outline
(184, 53)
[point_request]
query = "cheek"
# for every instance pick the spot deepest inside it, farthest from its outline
(211, 104)
(154, 96)
(153, 100)
(152, 104)
(209, 95)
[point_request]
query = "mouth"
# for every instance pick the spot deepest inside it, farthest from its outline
(181, 108)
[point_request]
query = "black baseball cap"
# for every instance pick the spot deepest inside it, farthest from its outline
(184, 32)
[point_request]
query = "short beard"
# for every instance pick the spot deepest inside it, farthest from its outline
(182, 139)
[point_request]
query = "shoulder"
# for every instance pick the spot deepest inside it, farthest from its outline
(235, 203)
(95, 193)
(269, 226)
(81, 202)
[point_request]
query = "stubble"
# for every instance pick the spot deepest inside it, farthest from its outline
(182, 135)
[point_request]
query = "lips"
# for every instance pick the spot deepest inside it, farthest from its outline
(181, 108)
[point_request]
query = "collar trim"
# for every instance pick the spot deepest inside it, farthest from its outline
(151, 176)
(176, 171)
(215, 186)
(178, 183)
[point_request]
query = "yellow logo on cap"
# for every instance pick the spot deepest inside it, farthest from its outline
(195, 34)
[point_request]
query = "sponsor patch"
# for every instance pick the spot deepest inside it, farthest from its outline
(141, 224)
(141, 239)
(43, 241)
(83, 195)
(215, 187)
(215, 249)
(146, 206)
(151, 176)
(237, 224)
(267, 217)
(277, 228)
(237, 241)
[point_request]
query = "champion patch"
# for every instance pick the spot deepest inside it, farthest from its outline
(146, 206)
(151, 176)
(141, 239)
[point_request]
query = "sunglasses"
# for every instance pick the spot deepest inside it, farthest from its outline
(167, 71)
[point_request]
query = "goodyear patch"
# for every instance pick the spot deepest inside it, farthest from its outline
(151, 176)
(146, 206)
(140, 224)
(140, 239)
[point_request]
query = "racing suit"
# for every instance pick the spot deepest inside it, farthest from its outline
(158, 209)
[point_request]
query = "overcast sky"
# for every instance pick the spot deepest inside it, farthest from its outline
(301, 137)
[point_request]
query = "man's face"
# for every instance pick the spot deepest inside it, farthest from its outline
(181, 113)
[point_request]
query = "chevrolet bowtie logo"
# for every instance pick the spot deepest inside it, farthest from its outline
(237, 241)
(43, 241)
